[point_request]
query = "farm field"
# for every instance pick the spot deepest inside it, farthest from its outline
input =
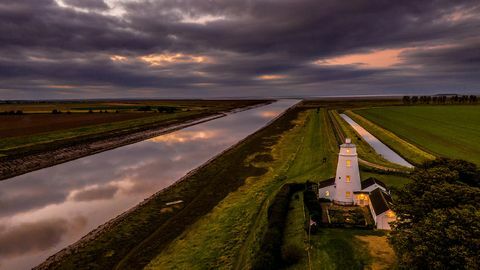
(448, 131)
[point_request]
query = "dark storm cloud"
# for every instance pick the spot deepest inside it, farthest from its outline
(102, 46)
(88, 4)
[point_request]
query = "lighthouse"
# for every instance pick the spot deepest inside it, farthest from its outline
(347, 179)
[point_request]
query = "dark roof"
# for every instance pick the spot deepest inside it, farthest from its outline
(326, 183)
(380, 201)
(371, 181)
(361, 192)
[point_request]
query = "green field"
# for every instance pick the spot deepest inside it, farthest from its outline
(448, 131)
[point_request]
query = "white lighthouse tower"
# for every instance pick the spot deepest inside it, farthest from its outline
(347, 179)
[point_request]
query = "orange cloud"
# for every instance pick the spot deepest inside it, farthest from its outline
(118, 58)
(271, 77)
(168, 58)
(377, 59)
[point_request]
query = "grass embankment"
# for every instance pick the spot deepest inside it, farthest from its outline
(408, 151)
(143, 233)
(364, 150)
(448, 131)
(227, 236)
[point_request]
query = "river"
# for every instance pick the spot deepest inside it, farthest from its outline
(376, 144)
(46, 210)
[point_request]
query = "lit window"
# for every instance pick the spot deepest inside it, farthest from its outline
(348, 179)
(347, 194)
(349, 163)
(327, 193)
(348, 150)
(390, 214)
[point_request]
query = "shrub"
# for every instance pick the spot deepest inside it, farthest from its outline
(270, 255)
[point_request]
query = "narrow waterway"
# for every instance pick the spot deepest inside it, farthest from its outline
(376, 144)
(46, 210)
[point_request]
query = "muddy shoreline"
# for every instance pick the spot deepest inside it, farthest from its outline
(11, 166)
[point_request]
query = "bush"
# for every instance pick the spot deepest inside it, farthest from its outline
(270, 255)
(291, 254)
(311, 202)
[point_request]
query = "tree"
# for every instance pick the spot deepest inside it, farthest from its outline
(444, 239)
(438, 217)
(414, 99)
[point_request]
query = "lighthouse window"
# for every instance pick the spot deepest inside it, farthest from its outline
(349, 163)
(327, 193)
(347, 194)
(348, 150)
(348, 179)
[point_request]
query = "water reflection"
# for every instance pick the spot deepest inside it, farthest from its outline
(376, 144)
(43, 211)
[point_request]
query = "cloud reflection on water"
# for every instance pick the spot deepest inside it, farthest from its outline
(96, 188)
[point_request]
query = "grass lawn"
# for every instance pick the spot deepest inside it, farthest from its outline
(407, 150)
(350, 249)
(449, 131)
(390, 180)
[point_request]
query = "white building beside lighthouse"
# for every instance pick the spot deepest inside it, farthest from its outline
(348, 189)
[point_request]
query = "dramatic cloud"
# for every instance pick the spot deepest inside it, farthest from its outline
(141, 48)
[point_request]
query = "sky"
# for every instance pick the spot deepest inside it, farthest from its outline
(68, 49)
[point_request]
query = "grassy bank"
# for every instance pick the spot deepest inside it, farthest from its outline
(227, 237)
(448, 131)
(408, 151)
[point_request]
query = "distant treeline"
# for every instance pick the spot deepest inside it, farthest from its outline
(17, 112)
(162, 109)
(454, 99)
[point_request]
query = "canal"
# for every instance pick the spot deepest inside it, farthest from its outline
(46, 210)
(376, 144)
